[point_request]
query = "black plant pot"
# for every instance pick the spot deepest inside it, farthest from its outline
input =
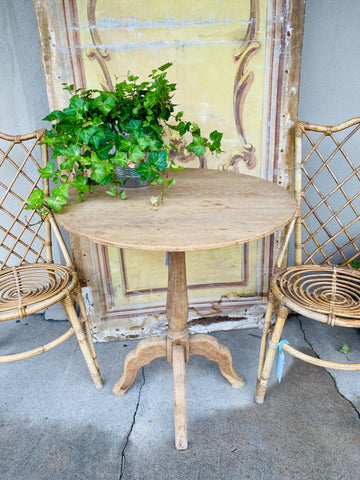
(128, 178)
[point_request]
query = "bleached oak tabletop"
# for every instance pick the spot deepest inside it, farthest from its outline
(205, 209)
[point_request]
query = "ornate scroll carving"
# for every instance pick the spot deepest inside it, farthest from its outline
(97, 53)
(242, 84)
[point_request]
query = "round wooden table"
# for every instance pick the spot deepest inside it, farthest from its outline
(205, 209)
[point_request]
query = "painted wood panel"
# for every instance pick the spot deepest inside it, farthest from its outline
(236, 65)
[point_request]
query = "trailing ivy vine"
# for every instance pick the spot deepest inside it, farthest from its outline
(101, 131)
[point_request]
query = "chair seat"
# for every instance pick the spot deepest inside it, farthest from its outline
(32, 283)
(325, 289)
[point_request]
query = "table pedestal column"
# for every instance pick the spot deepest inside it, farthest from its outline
(177, 346)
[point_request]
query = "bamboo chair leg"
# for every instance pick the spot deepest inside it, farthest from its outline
(266, 332)
(85, 320)
(84, 346)
(270, 355)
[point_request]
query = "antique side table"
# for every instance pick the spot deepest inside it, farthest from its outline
(205, 209)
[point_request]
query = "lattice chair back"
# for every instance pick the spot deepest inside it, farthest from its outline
(327, 188)
(24, 238)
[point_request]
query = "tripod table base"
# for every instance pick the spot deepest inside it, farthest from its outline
(155, 347)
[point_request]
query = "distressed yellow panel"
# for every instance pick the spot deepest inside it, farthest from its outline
(236, 65)
(204, 268)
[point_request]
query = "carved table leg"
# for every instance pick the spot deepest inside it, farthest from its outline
(210, 348)
(145, 352)
(177, 309)
(178, 363)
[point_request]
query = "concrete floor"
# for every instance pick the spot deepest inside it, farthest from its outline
(55, 425)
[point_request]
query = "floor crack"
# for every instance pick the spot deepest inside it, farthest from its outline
(123, 457)
(332, 376)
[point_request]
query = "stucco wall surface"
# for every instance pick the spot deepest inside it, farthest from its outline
(23, 100)
(330, 68)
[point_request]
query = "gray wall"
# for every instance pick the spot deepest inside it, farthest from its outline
(23, 100)
(330, 69)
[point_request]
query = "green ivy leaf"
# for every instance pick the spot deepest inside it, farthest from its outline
(94, 158)
(120, 159)
(48, 171)
(97, 137)
(197, 146)
(103, 151)
(61, 139)
(175, 168)
(70, 88)
(103, 172)
(355, 264)
(36, 200)
(85, 134)
(105, 102)
(114, 193)
(182, 127)
(195, 129)
(77, 106)
(80, 183)
(165, 66)
(65, 126)
(67, 164)
(159, 159)
(123, 144)
(345, 349)
(146, 171)
(148, 142)
(58, 197)
(73, 152)
(136, 154)
(111, 191)
(55, 115)
(216, 138)
(62, 190)
(56, 203)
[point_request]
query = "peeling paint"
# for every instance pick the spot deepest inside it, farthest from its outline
(207, 325)
(246, 317)
(88, 299)
(155, 45)
(131, 23)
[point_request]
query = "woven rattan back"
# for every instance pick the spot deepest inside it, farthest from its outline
(23, 237)
(327, 188)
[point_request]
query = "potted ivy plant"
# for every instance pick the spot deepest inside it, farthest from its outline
(102, 131)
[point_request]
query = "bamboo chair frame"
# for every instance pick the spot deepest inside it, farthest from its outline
(30, 281)
(321, 284)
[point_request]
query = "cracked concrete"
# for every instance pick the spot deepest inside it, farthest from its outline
(123, 452)
(327, 343)
(54, 424)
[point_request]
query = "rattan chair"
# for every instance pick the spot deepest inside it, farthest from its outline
(29, 279)
(321, 285)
